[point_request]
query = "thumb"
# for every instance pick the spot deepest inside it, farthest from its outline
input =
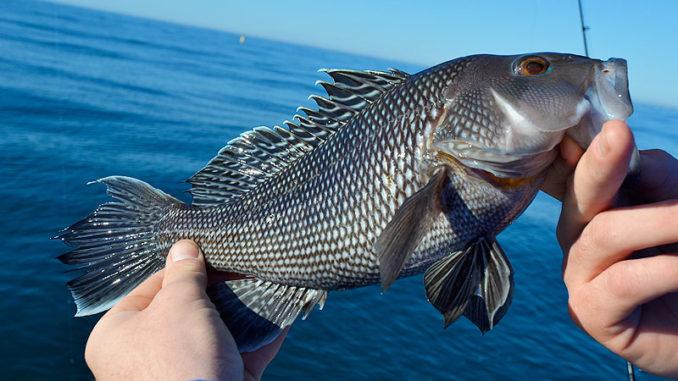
(185, 264)
(596, 180)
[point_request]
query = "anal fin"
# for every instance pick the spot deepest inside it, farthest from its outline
(476, 282)
(256, 311)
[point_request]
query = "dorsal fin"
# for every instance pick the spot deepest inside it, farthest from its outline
(258, 154)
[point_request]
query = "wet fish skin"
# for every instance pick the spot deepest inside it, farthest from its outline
(304, 228)
(391, 174)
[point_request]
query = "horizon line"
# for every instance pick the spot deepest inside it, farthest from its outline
(294, 43)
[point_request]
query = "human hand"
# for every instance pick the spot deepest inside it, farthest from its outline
(627, 302)
(168, 329)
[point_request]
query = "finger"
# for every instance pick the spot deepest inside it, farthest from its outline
(185, 264)
(256, 362)
(555, 182)
(628, 284)
(596, 180)
(142, 295)
(658, 176)
(613, 235)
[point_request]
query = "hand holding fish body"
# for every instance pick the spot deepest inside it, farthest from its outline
(392, 175)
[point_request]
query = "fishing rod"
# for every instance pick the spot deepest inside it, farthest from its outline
(584, 29)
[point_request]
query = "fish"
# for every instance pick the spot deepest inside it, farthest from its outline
(392, 175)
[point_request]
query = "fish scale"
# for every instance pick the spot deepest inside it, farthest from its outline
(292, 248)
(391, 176)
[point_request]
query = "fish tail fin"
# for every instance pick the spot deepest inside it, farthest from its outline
(116, 245)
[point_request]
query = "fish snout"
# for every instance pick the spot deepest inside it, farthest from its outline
(611, 85)
(616, 99)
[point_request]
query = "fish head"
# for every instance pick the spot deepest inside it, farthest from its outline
(506, 114)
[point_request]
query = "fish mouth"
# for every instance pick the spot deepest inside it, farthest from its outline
(606, 98)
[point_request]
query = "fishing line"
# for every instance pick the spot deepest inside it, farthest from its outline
(584, 29)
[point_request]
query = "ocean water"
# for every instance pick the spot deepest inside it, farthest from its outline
(86, 94)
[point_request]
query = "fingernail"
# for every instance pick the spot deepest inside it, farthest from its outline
(184, 250)
(603, 145)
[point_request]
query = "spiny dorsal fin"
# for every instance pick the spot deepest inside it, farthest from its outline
(259, 154)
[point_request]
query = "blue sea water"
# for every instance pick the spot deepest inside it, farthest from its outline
(86, 94)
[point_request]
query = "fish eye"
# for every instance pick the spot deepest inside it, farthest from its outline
(533, 65)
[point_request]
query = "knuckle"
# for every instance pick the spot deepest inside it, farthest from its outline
(571, 262)
(578, 250)
(185, 278)
(584, 309)
(597, 233)
(574, 309)
(568, 278)
(189, 266)
(567, 266)
(178, 291)
(621, 280)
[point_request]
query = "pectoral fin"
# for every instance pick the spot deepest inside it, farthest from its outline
(406, 229)
(476, 282)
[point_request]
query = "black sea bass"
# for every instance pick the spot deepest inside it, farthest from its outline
(392, 175)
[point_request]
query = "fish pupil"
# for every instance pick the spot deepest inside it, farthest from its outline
(535, 67)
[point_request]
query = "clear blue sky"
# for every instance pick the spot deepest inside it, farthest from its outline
(428, 32)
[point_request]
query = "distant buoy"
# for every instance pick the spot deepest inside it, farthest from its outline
(242, 38)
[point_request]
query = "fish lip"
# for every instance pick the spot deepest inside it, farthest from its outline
(612, 88)
(608, 98)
